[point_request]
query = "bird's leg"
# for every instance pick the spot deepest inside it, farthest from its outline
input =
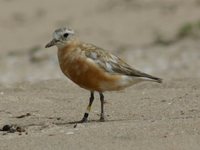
(102, 109)
(88, 108)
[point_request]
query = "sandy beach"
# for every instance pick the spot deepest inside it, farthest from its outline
(39, 104)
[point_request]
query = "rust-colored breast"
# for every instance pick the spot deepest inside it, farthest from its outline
(82, 71)
(86, 75)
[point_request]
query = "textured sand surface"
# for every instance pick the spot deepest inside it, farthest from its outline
(156, 36)
(147, 116)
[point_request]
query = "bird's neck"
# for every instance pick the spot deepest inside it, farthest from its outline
(65, 50)
(69, 45)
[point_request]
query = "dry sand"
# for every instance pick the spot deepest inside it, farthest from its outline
(37, 97)
(147, 116)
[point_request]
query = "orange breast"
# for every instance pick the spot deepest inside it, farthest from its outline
(87, 75)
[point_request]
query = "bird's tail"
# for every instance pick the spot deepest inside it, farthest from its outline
(156, 79)
(145, 75)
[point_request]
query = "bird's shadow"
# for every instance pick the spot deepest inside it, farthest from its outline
(89, 122)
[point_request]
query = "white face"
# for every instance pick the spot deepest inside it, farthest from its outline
(62, 33)
(60, 37)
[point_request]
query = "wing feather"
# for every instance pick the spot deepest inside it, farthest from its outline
(111, 63)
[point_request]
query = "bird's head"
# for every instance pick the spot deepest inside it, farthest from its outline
(60, 37)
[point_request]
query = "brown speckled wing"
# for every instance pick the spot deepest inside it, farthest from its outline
(111, 63)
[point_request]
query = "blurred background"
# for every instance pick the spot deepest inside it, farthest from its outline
(160, 37)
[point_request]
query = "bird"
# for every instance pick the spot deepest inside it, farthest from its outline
(93, 68)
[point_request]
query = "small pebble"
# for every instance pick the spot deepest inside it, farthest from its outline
(165, 136)
(12, 128)
(6, 128)
(58, 118)
(20, 129)
(75, 125)
(163, 100)
(51, 134)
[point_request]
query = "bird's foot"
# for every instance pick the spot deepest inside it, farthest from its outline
(102, 119)
(84, 120)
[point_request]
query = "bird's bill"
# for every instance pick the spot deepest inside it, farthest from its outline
(51, 43)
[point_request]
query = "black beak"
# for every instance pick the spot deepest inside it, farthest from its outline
(51, 43)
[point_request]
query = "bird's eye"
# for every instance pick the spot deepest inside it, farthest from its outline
(65, 35)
